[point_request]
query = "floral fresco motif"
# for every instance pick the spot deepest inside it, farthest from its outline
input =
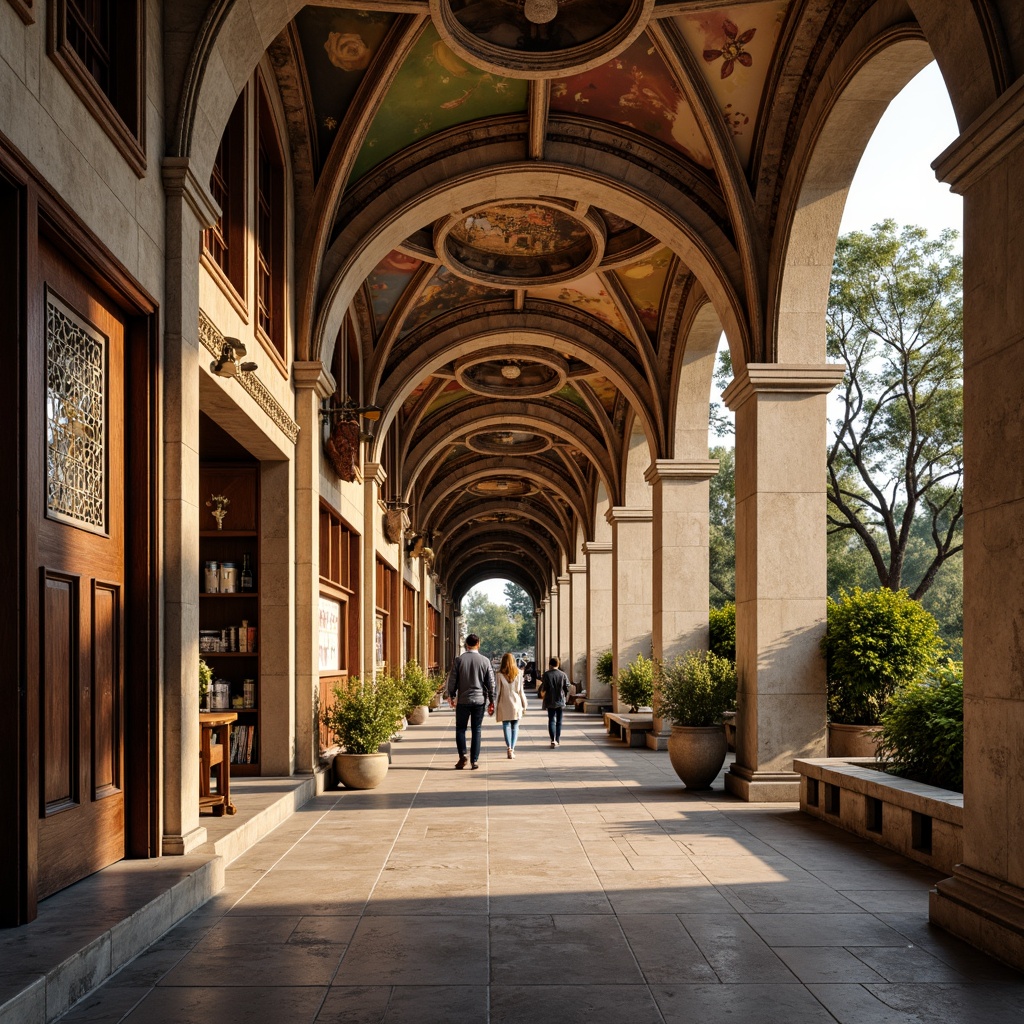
(570, 394)
(644, 283)
(443, 292)
(635, 90)
(734, 48)
(587, 294)
(337, 48)
(387, 282)
(434, 90)
(606, 392)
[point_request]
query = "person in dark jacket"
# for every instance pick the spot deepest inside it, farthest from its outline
(470, 691)
(554, 692)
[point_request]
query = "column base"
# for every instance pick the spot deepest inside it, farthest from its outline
(983, 911)
(180, 846)
(658, 740)
(762, 787)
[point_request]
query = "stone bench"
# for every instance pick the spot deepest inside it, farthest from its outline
(632, 729)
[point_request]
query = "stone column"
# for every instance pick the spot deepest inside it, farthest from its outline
(538, 625)
(599, 621)
(189, 209)
(631, 586)
(542, 636)
(312, 384)
(578, 626)
(564, 625)
(780, 573)
(679, 605)
(553, 621)
(983, 902)
(374, 476)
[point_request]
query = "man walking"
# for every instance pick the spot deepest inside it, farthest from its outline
(554, 692)
(470, 690)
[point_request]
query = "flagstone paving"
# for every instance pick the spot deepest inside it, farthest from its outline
(577, 884)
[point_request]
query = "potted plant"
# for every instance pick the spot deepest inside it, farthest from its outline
(362, 717)
(876, 642)
(205, 678)
(635, 683)
(419, 690)
(694, 692)
(437, 681)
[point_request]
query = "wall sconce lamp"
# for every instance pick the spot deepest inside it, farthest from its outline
(348, 410)
(396, 504)
(228, 364)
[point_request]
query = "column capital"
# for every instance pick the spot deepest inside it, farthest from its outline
(782, 379)
(313, 376)
(984, 143)
(595, 547)
(179, 181)
(563, 581)
(681, 469)
(374, 472)
(621, 514)
(577, 567)
(554, 591)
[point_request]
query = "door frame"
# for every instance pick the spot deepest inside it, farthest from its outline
(29, 208)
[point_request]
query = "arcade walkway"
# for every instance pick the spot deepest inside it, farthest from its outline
(573, 885)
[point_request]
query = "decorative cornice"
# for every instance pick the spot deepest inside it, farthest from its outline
(782, 379)
(563, 581)
(985, 143)
(314, 376)
(180, 181)
(680, 469)
(593, 547)
(374, 472)
(213, 342)
(621, 514)
(577, 567)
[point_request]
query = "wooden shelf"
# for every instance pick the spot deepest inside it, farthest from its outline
(204, 534)
(229, 654)
(237, 593)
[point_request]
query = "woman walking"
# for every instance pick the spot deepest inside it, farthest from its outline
(511, 702)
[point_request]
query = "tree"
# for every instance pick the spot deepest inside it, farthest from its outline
(491, 622)
(521, 610)
(895, 319)
(722, 532)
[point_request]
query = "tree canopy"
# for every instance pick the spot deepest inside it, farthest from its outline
(895, 463)
(498, 632)
(521, 610)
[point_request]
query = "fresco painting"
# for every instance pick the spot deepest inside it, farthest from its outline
(644, 283)
(635, 90)
(606, 392)
(453, 391)
(434, 90)
(443, 292)
(733, 47)
(337, 48)
(569, 394)
(387, 283)
(587, 294)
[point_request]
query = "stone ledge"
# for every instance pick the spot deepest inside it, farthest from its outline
(921, 822)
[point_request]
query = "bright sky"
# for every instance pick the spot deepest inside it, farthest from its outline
(895, 179)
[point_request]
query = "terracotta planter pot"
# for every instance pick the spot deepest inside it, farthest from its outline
(697, 753)
(419, 715)
(361, 771)
(852, 740)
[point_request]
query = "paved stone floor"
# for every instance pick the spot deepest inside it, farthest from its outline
(573, 885)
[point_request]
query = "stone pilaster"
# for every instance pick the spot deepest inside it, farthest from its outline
(599, 621)
(780, 573)
(313, 383)
(542, 635)
(374, 476)
(679, 600)
(631, 586)
(578, 626)
(553, 622)
(564, 624)
(983, 902)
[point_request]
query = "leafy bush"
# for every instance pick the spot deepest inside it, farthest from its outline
(876, 641)
(696, 688)
(364, 715)
(722, 631)
(604, 668)
(419, 687)
(923, 730)
(636, 683)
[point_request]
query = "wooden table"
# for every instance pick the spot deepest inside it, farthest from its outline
(215, 759)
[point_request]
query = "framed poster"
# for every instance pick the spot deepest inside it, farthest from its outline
(329, 655)
(378, 638)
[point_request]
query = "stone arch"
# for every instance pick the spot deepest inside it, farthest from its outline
(636, 492)
(602, 530)
(527, 511)
(535, 547)
(691, 380)
(477, 573)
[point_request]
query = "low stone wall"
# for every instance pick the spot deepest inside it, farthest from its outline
(921, 822)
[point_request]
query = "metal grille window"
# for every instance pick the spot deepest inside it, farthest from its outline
(76, 427)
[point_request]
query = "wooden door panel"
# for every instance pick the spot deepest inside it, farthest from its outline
(106, 686)
(59, 704)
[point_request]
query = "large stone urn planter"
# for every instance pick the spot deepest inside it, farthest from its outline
(361, 771)
(852, 740)
(697, 753)
(418, 715)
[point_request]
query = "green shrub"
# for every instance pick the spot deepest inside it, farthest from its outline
(876, 641)
(419, 687)
(722, 631)
(923, 730)
(696, 688)
(636, 683)
(605, 662)
(364, 715)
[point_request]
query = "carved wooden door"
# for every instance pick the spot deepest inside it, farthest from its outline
(76, 600)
